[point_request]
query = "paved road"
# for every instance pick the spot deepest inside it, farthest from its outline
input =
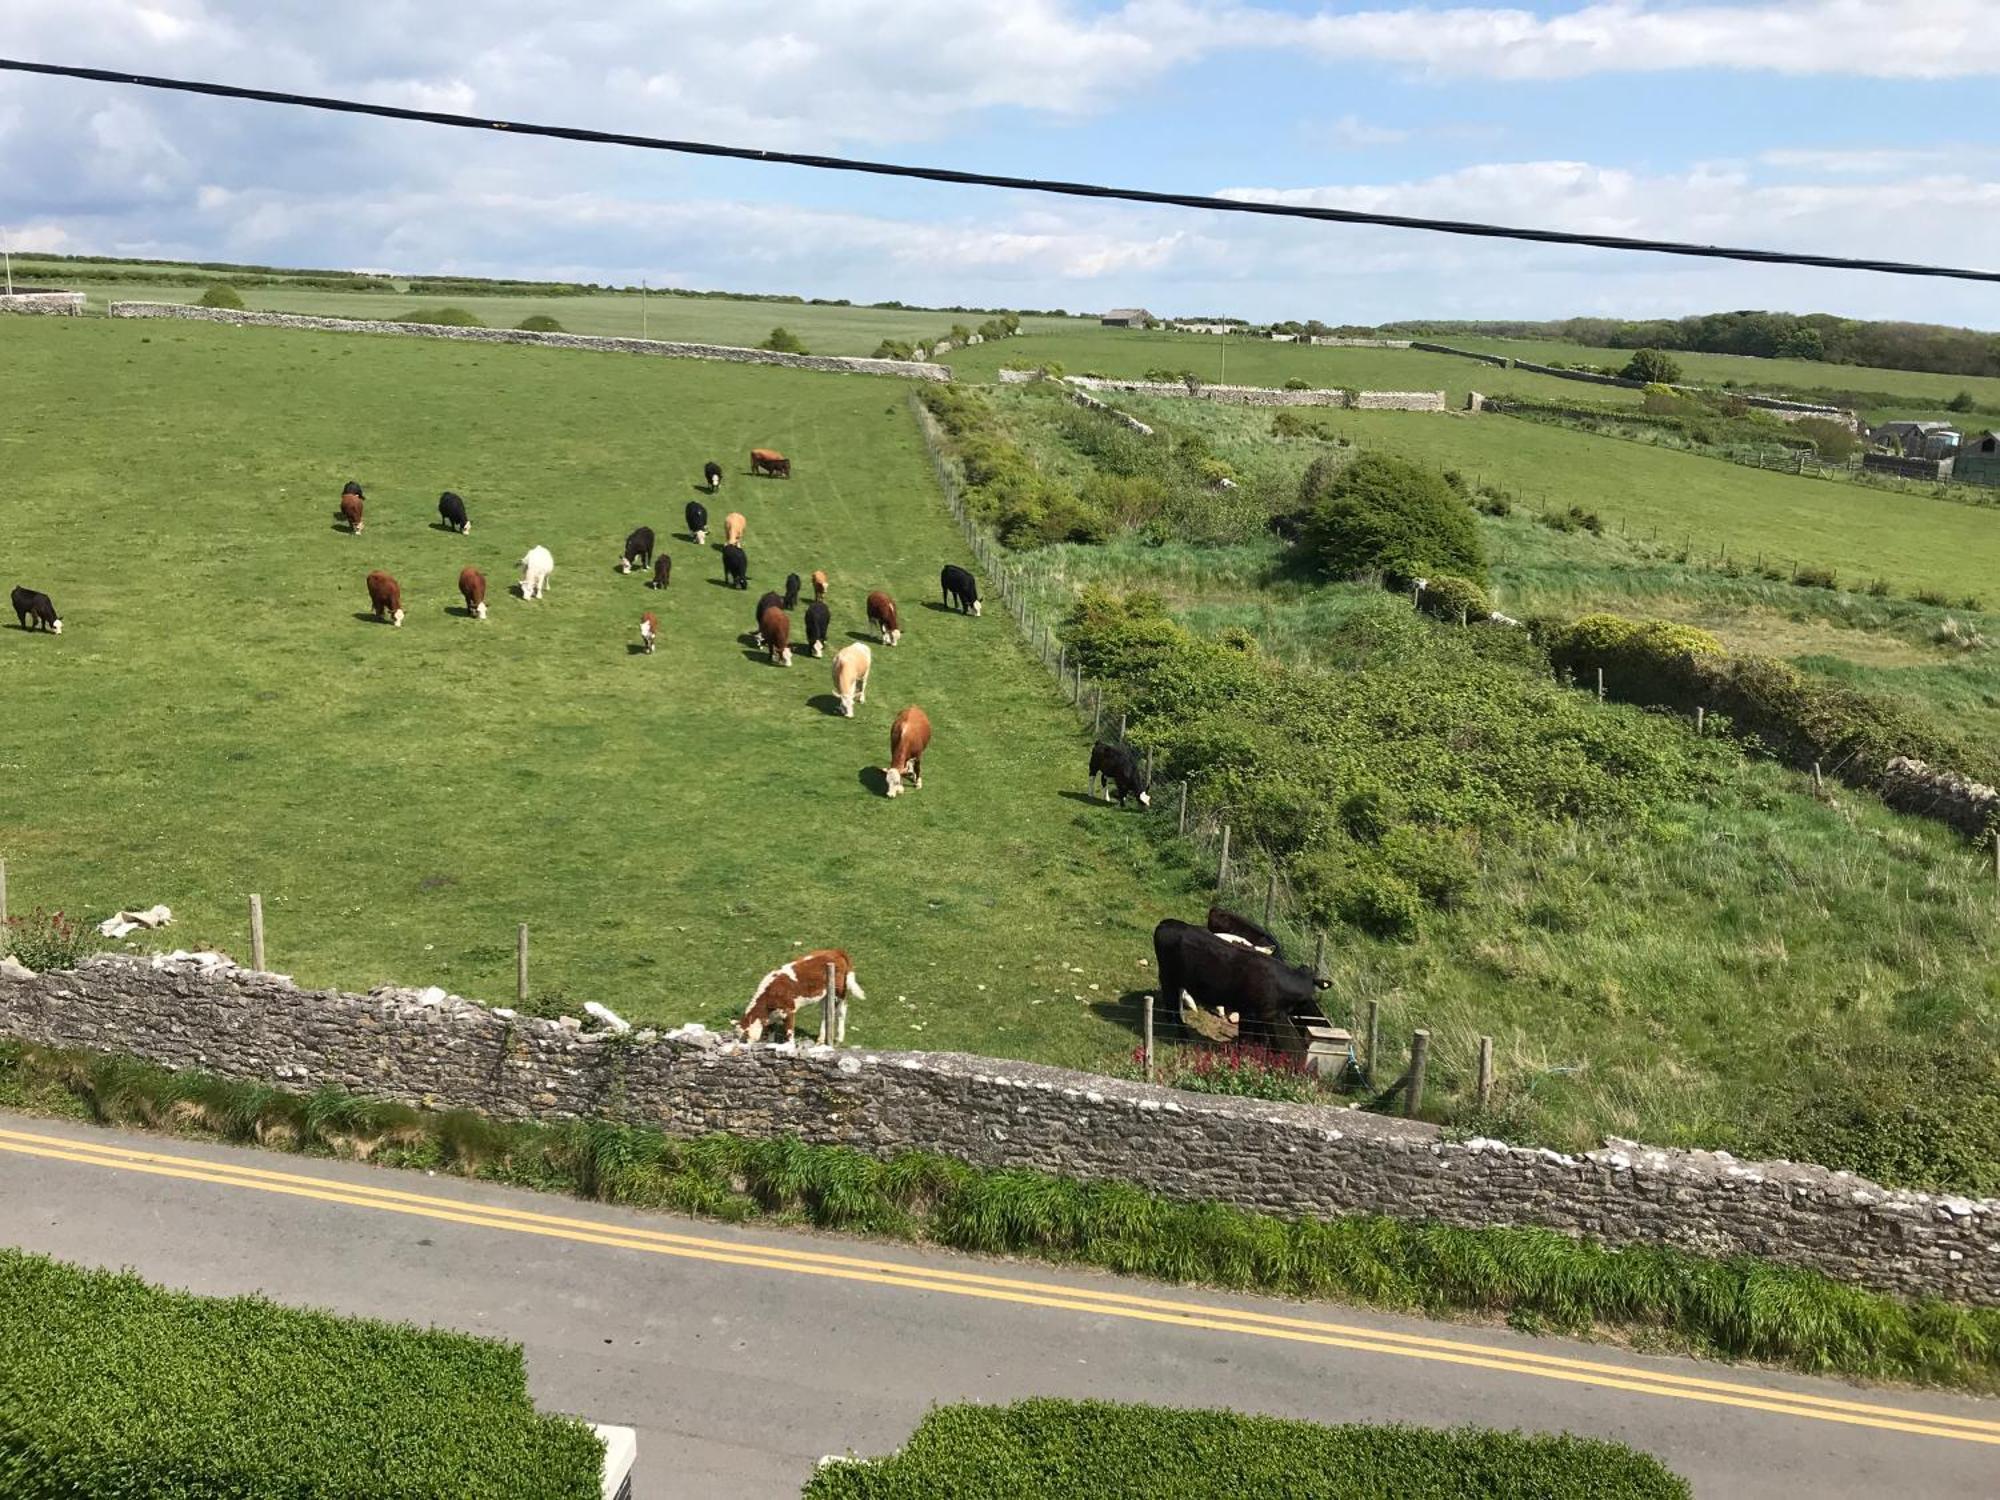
(741, 1356)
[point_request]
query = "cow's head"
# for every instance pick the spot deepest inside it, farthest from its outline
(624, 564)
(895, 779)
(1145, 798)
(975, 609)
(397, 619)
(56, 627)
(819, 648)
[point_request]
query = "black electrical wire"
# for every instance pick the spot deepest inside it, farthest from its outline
(990, 179)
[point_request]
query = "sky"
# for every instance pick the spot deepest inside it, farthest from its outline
(1846, 127)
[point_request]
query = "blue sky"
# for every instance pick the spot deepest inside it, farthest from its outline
(1858, 127)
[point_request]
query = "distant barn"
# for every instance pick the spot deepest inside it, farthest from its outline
(1127, 317)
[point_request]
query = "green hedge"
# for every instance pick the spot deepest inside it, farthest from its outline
(116, 1390)
(1083, 1450)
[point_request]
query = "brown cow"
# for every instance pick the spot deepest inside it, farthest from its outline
(649, 632)
(732, 529)
(472, 588)
(851, 665)
(882, 613)
(774, 629)
(909, 738)
(769, 461)
(819, 583)
(663, 571)
(801, 982)
(385, 596)
(351, 507)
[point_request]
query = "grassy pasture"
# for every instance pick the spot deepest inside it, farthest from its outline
(217, 720)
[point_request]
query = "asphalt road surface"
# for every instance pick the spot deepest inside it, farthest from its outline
(741, 1356)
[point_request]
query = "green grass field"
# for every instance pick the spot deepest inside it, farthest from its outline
(216, 720)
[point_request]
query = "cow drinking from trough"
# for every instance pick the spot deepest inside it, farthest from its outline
(696, 516)
(882, 615)
(472, 589)
(33, 604)
(385, 597)
(638, 552)
(1262, 995)
(960, 588)
(801, 982)
(851, 665)
(909, 738)
(1114, 766)
(769, 461)
(451, 510)
(818, 617)
(735, 567)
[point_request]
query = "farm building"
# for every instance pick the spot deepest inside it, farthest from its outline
(1126, 317)
(1201, 327)
(1978, 460)
(1917, 439)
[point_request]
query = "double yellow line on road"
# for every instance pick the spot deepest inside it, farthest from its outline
(1107, 1304)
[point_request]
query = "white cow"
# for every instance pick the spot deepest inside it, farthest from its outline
(850, 675)
(535, 570)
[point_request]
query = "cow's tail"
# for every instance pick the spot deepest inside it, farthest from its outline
(854, 986)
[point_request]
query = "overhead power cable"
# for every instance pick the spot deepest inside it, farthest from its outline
(992, 179)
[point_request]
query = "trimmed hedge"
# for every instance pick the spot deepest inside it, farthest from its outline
(1049, 1449)
(119, 1390)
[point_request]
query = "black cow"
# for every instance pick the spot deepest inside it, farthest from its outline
(792, 586)
(1114, 766)
(735, 567)
(817, 616)
(1227, 925)
(663, 571)
(1261, 994)
(712, 472)
(697, 519)
(638, 551)
(959, 588)
(33, 604)
(452, 509)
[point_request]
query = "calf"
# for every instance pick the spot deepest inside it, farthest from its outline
(766, 461)
(638, 551)
(735, 567)
(452, 509)
(33, 604)
(351, 507)
(1263, 995)
(882, 614)
(697, 521)
(791, 591)
(817, 618)
(1114, 766)
(712, 472)
(649, 632)
(385, 596)
(909, 738)
(732, 528)
(1234, 929)
(775, 630)
(959, 588)
(769, 599)
(663, 571)
(781, 992)
(819, 583)
(535, 570)
(851, 664)
(472, 589)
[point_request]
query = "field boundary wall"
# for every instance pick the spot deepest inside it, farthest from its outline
(43, 304)
(439, 1051)
(904, 369)
(1260, 395)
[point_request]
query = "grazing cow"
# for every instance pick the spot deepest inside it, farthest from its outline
(1234, 929)
(638, 551)
(649, 632)
(472, 589)
(769, 599)
(712, 472)
(819, 583)
(1114, 766)
(765, 461)
(535, 570)
(735, 566)
(817, 617)
(882, 614)
(697, 519)
(351, 507)
(781, 992)
(385, 596)
(909, 738)
(663, 571)
(851, 664)
(775, 630)
(732, 529)
(959, 588)
(33, 604)
(452, 509)
(1263, 995)
(791, 591)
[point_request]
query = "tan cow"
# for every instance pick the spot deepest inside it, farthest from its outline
(909, 738)
(851, 665)
(819, 583)
(732, 529)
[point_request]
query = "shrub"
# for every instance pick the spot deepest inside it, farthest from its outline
(1381, 513)
(1835, 441)
(1653, 367)
(118, 1389)
(1296, 384)
(1879, 588)
(1936, 598)
(897, 349)
(45, 941)
(1051, 1449)
(1576, 518)
(1811, 577)
(782, 340)
(1243, 1070)
(1290, 422)
(1450, 598)
(539, 323)
(1493, 501)
(1963, 401)
(442, 317)
(222, 294)
(1381, 903)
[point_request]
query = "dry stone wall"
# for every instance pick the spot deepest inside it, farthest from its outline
(1091, 403)
(1259, 395)
(436, 1050)
(43, 304)
(1972, 807)
(905, 369)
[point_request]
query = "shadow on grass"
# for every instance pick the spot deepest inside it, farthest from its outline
(1128, 1013)
(1093, 800)
(826, 703)
(633, 648)
(459, 612)
(947, 609)
(874, 780)
(369, 617)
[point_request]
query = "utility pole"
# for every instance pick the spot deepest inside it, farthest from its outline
(644, 327)
(7, 255)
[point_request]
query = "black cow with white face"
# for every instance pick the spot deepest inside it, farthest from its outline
(33, 604)
(1114, 766)
(638, 550)
(712, 472)
(735, 567)
(960, 588)
(818, 616)
(452, 510)
(1261, 994)
(697, 519)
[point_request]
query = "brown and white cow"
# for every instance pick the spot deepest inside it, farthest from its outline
(649, 632)
(351, 507)
(801, 982)
(819, 583)
(882, 615)
(472, 589)
(769, 461)
(732, 529)
(774, 630)
(851, 665)
(385, 597)
(909, 738)
(663, 571)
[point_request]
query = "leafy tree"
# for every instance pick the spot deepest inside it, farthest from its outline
(783, 341)
(1835, 441)
(1388, 514)
(1963, 401)
(1801, 343)
(1653, 367)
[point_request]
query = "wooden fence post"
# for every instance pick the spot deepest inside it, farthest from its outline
(1319, 954)
(1819, 783)
(1700, 719)
(827, 1002)
(1121, 729)
(1184, 811)
(1222, 869)
(1600, 684)
(1374, 1038)
(257, 933)
(1149, 1039)
(1413, 1092)
(521, 964)
(1485, 1074)
(840, 1014)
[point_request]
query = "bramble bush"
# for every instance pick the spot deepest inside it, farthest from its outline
(1381, 514)
(1448, 597)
